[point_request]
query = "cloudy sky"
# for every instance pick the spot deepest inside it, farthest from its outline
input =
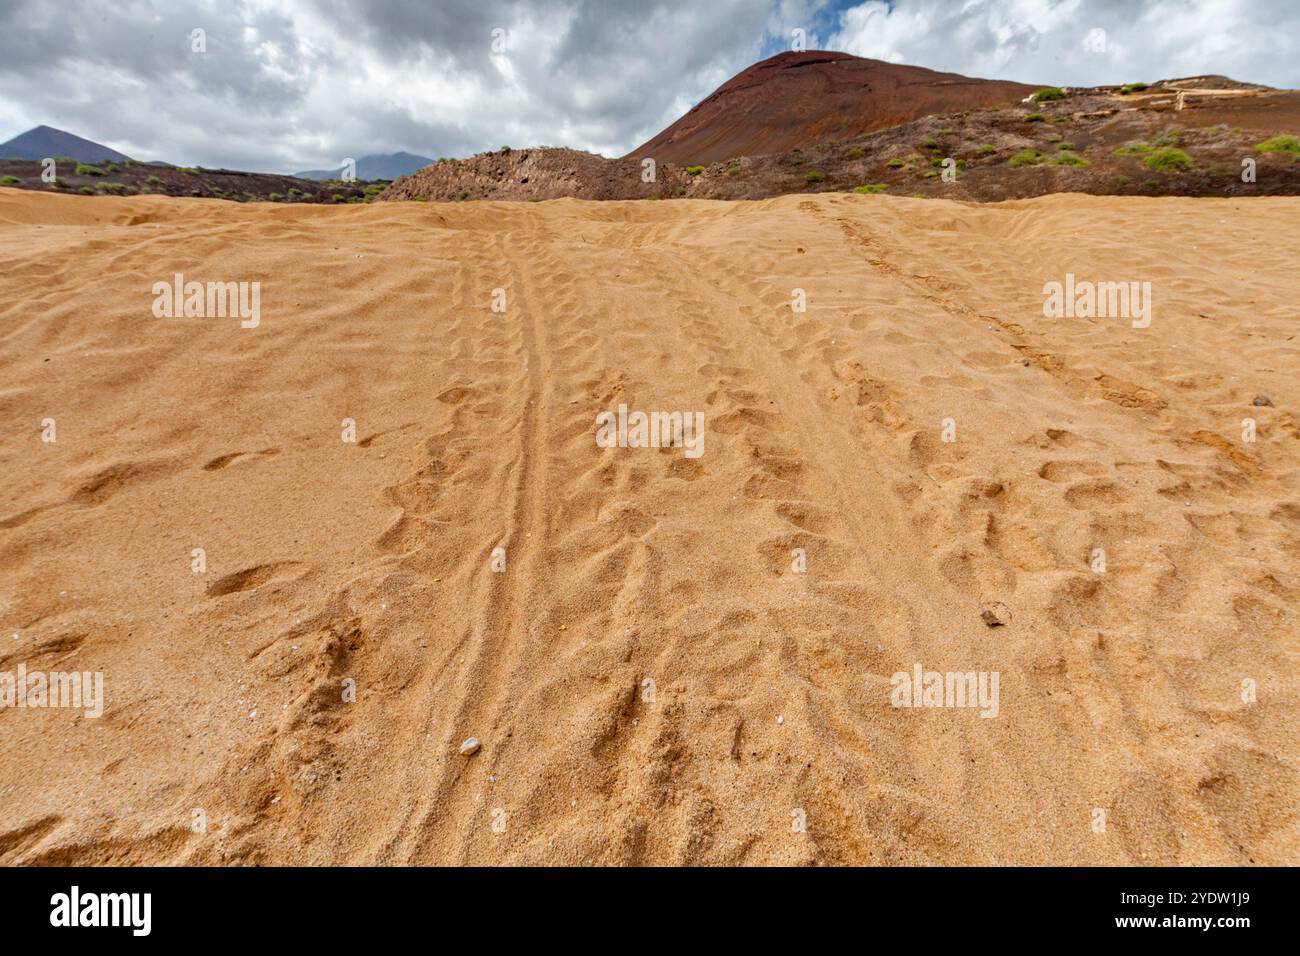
(293, 84)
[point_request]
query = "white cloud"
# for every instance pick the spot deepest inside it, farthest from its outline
(1043, 41)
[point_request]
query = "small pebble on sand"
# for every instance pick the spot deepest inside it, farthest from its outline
(995, 614)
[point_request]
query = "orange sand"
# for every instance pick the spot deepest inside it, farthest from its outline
(329, 560)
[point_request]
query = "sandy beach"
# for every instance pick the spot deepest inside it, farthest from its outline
(312, 555)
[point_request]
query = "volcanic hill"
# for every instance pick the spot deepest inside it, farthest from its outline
(792, 100)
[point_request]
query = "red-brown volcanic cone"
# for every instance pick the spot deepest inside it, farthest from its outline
(793, 100)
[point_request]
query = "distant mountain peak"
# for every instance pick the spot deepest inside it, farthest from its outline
(376, 166)
(41, 142)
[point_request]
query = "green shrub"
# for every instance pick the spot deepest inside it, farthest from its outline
(1168, 160)
(464, 195)
(986, 150)
(275, 197)
(154, 181)
(854, 153)
(929, 144)
(1035, 118)
(89, 169)
(1132, 88)
(1134, 149)
(694, 170)
(1049, 93)
(895, 163)
(1166, 137)
(815, 177)
(9, 180)
(1068, 159)
(1027, 157)
(112, 187)
(1286, 143)
(733, 171)
(870, 189)
(1064, 146)
(86, 191)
